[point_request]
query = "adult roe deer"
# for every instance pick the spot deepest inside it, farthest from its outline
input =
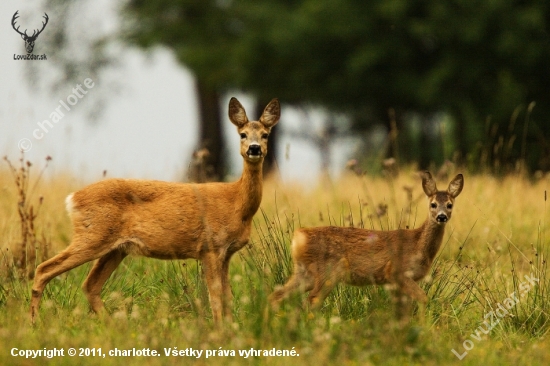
(208, 222)
(324, 256)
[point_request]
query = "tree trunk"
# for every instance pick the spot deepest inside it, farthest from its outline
(270, 161)
(461, 139)
(211, 131)
(426, 148)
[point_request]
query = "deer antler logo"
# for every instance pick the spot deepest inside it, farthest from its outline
(29, 40)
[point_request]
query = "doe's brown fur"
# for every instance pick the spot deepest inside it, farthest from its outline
(325, 256)
(208, 222)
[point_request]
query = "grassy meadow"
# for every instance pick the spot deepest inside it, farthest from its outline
(497, 236)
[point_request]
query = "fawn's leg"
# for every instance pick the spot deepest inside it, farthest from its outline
(404, 286)
(325, 281)
(413, 290)
(300, 281)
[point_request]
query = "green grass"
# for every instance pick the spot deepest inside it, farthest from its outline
(497, 236)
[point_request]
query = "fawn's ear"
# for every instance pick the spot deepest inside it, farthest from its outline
(428, 184)
(237, 114)
(272, 113)
(456, 185)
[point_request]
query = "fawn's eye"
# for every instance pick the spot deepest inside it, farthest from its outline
(449, 205)
(243, 135)
(433, 205)
(265, 136)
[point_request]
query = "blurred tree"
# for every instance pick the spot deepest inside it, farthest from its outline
(481, 63)
(472, 60)
(192, 30)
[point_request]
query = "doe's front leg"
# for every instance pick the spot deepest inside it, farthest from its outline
(212, 268)
(227, 299)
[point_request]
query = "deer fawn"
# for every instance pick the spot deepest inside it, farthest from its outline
(208, 222)
(324, 256)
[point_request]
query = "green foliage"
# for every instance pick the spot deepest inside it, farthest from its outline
(472, 60)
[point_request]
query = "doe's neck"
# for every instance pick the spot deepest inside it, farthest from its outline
(250, 188)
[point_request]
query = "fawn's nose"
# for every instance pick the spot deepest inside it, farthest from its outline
(254, 150)
(441, 218)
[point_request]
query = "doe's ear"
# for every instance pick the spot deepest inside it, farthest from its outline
(456, 185)
(272, 113)
(428, 184)
(237, 114)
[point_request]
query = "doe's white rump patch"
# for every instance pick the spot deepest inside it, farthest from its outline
(69, 204)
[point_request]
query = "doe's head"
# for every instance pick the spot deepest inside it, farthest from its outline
(441, 202)
(254, 134)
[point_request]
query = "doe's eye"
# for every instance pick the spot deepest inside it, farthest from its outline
(265, 136)
(243, 135)
(449, 205)
(433, 205)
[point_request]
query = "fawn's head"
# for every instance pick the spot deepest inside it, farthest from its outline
(441, 202)
(254, 134)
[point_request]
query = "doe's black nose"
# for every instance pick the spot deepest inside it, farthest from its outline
(254, 150)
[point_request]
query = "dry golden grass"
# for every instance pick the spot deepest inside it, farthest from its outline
(496, 236)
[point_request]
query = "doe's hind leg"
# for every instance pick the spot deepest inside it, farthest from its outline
(97, 277)
(73, 256)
